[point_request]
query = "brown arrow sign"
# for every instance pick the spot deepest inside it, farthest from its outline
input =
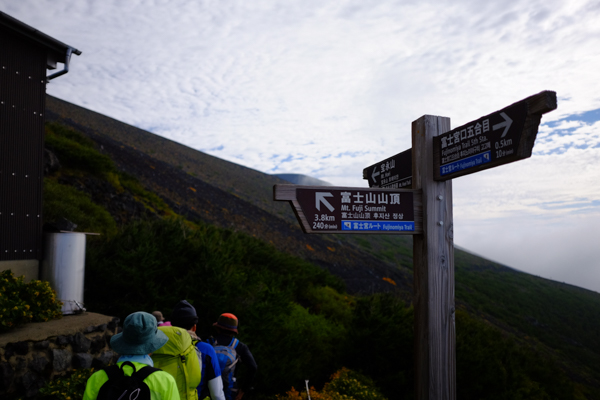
(499, 138)
(328, 209)
(394, 172)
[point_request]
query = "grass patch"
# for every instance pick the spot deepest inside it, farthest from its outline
(62, 201)
(150, 200)
(363, 242)
(80, 157)
(76, 151)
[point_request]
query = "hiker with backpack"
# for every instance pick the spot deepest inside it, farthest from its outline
(184, 316)
(161, 320)
(134, 375)
(230, 351)
(180, 358)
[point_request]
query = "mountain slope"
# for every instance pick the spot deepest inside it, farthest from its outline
(203, 187)
(556, 319)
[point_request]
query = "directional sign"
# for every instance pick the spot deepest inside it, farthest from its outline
(504, 136)
(499, 138)
(394, 172)
(322, 209)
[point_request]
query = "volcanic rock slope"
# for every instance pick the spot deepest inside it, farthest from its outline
(554, 318)
(202, 187)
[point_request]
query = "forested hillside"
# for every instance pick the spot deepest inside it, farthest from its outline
(178, 223)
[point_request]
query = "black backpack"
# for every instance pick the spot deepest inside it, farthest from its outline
(122, 387)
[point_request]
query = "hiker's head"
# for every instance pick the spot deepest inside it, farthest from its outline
(184, 315)
(158, 315)
(140, 335)
(227, 323)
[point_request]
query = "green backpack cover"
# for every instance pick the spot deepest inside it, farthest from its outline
(180, 358)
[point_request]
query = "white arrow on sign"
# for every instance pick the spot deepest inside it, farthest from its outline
(375, 174)
(320, 198)
(506, 124)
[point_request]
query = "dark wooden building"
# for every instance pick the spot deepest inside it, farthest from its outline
(25, 56)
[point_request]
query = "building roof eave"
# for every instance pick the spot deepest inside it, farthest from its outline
(57, 50)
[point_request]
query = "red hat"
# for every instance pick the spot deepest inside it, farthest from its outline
(228, 322)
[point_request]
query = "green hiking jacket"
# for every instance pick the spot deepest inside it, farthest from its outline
(161, 384)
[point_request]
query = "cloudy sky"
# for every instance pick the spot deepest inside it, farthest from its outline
(327, 88)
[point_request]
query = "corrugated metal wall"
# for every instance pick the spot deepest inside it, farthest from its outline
(22, 104)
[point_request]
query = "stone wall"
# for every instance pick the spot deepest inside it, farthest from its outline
(39, 352)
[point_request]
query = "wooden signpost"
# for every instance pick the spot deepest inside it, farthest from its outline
(437, 156)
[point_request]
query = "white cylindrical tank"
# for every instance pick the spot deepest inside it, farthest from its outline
(64, 268)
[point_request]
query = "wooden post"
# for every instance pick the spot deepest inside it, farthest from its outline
(433, 263)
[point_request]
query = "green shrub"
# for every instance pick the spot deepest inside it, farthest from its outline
(62, 201)
(42, 299)
(548, 311)
(150, 200)
(384, 324)
(313, 341)
(22, 302)
(345, 384)
(330, 303)
(492, 365)
(71, 387)
(173, 260)
(151, 265)
(294, 315)
(353, 385)
(74, 150)
(56, 129)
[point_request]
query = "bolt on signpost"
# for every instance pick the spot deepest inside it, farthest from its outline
(438, 155)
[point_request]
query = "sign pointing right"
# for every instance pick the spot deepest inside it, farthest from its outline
(506, 124)
(499, 138)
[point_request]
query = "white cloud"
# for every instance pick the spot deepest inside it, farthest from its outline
(568, 134)
(564, 250)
